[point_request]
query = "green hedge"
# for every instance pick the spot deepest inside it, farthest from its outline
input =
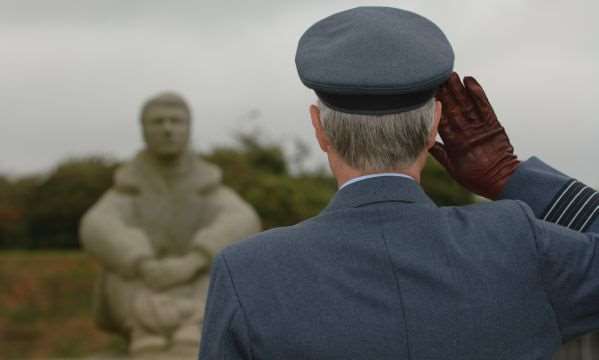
(43, 212)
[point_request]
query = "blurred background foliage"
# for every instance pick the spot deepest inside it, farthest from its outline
(43, 211)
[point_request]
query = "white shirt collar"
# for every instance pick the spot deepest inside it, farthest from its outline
(364, 177)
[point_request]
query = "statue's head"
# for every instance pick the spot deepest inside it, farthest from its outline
(166, 123)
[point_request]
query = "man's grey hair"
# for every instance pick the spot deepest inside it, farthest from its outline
(378, 142)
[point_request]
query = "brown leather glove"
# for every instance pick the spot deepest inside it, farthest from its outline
(476, 150)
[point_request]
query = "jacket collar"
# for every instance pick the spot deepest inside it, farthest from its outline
(377, 190)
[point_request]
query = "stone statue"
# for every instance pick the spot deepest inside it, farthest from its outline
(155, 233)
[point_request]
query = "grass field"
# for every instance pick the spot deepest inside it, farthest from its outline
(46, 306)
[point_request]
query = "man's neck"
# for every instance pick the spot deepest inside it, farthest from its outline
(375, 175)
(344, 173)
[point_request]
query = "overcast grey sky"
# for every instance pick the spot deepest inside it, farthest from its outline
(73, 74)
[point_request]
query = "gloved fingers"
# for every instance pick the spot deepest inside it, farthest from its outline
(450, 110)
(440, 154)
(477, 94)
(456, 103)
(459, 93)
(474, 88)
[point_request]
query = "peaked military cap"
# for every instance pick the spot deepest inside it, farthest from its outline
(374, 60)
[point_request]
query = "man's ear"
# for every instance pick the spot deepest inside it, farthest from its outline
(321, 136)
(432, 138)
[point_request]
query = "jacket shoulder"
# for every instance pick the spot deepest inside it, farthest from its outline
(501, 209)
(503, 226)
(265, 243)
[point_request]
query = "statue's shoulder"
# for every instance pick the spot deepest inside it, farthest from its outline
(206, 176)
(129, 176)
(137, 174)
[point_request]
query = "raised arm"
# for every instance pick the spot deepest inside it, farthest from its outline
(478, 154)
(568, 269)
(563, 213)
(554, 197)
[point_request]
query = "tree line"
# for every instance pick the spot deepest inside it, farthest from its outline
(42, 211)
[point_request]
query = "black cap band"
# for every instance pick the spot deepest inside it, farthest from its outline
(376, 104)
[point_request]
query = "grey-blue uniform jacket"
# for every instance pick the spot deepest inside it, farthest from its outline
(383, 273)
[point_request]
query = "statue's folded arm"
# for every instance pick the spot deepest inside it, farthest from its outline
(105, 233)
(233, 220)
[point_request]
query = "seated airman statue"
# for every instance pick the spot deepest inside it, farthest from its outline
(155, 232)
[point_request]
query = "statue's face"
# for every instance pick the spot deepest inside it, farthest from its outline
(166, 130)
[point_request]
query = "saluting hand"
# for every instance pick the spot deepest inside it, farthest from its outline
(476, 150)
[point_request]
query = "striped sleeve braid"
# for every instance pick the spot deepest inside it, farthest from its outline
(575, 206)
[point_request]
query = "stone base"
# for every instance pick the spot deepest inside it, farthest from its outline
(175, 353)
(583, 348)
